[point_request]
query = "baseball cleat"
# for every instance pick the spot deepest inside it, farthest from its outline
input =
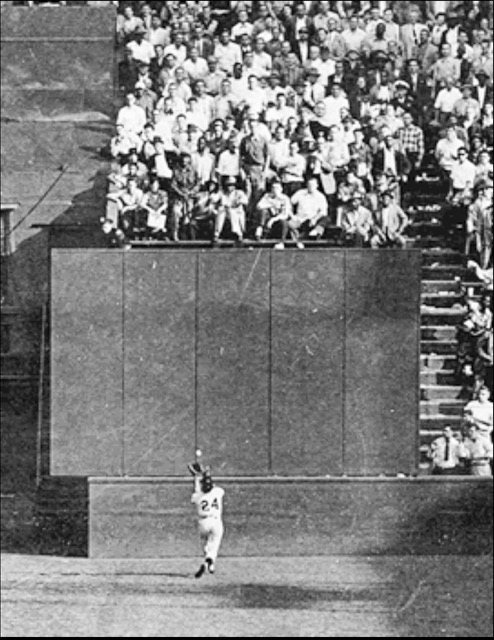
(200, 571)
(210, 565)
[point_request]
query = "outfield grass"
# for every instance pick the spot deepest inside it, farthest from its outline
(447, 596)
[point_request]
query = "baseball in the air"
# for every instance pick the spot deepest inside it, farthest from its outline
(198, 453)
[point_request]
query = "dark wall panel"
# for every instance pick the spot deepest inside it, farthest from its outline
(307, 363)
(420, 516)
(233, 361)
(159, 374)
(86, 363)
(382, 377)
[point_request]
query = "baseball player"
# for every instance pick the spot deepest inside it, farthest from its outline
(209, 502)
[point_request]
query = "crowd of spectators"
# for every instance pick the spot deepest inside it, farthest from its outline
(300, 120)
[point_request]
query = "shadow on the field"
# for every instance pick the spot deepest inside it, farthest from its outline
(290, 597)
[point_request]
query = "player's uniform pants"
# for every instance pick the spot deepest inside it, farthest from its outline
(211, 532)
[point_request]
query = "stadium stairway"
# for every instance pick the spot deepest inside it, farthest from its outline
(444, 278)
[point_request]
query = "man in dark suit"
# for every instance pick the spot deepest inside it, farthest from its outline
(391, 162)
(298, 22)
(301, 46)
(200, 41)
(483, 92)
(420, 90)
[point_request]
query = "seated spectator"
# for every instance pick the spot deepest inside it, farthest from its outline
(129, 202)
(355, 221)
(477, 452)
(274, 209)
(292, 174)
(231, 206)
(310, 207)
(446, 454)
(122, 143)
(204, 211)
(155, 202)
(131, 116)
(390, 222)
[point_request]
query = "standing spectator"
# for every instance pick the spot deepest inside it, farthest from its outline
(483, 91)
(157, 35)
(410, 34)
(214, 78)
(227, 53)
(479, 223)
(354, 37)
(142, 50)
(447, 149)
(447, 69)
(201, 41)
(446, 100)
(155, 202)
(478, 412)
(184, 188)
(411, 140)
(254, 154)
(446, 453)
(427, 53)
(177, 48)
(228, 165)
(195, 67)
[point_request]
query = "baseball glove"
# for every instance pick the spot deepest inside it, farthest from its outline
(195, 469)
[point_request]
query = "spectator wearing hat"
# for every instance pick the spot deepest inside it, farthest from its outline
(141, 49)
(355, 221)
(231, 206)
(314, 91)
(390, 222)
(127, 72)
(145, 98)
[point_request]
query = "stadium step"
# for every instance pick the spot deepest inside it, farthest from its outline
(443, 256)
(439, 347)
(442, 378)
(438, 362)
(438, 271)
(442, 406)
(452, 301)
(432, 392)
(441, 333)
(435, 423)
(441, 316)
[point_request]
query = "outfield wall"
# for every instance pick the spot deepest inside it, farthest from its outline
(295, 363)
(152, 518)
(57, 61)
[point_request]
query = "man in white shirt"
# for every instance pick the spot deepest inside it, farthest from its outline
(335, 102)
(227, 52)
(446, 100)
(310, 205)
(131, 116)
(242, 27)
(177, 48)
(195, 67)
(261, 59)
(354, 37)
(392, 32)
(157, 35)
(447, 149)
(142, 50)
(462, 176)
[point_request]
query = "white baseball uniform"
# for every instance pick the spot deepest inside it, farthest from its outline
(209, 513)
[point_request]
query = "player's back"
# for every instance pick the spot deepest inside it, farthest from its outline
(209, 504)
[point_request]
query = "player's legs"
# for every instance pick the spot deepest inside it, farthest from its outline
(213, 543)
(204, 537)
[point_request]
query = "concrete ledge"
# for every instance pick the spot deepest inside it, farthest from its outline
(153, 517)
